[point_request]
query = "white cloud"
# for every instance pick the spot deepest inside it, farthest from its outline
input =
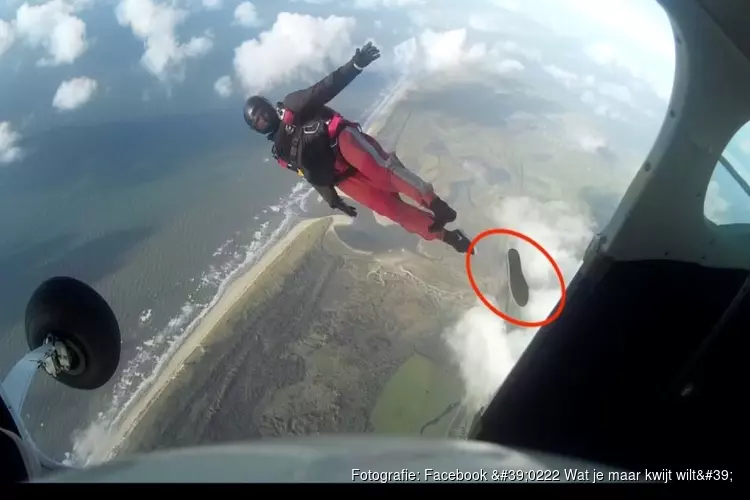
(660, 82)
(654, 34)
(479, 345)
(388, 4)
(155, 23)
(633, 35)
(563, 76)
(604, 98)
(53, 26)
(511, 5)
(562, 229)
(74, 93)
(246, 15)
(448, 49)
(510, 47)
(438, 51)
(296, 47)
(485, 347)
(715, 207)
(212, 4)
(600, 107)
(405, 53)
(601, 53)
(509, 66)
(223, 86)
(7, 36)
(483, 23)
(9, 149)
(637, 29)
(615, 91)
(589, 142)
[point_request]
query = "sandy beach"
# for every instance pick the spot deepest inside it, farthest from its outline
(233, 293)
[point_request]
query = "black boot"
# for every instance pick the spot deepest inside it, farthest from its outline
(519, 288)
(458, 240)
(444, 214)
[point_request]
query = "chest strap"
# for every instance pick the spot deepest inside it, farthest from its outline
(334, 126)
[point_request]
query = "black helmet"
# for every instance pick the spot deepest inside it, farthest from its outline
(261, 115)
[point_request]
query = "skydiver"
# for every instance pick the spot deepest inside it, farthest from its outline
(332, 152)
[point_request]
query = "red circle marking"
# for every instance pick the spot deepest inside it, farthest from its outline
(515, 321)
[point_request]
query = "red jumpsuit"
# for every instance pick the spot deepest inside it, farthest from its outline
(378, 181)
(331, 153)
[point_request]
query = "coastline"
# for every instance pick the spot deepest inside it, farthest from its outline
(234, 293)
(303, 350)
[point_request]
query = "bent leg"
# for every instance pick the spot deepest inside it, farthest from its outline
(389, 204)
(384, 171)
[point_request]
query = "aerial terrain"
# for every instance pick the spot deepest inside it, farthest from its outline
(248, 308)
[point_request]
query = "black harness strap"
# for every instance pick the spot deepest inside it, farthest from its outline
(295, 152)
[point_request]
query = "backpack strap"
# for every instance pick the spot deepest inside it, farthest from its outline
(284, 163)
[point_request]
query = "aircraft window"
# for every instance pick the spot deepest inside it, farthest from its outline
(245, 310)
(728, 196)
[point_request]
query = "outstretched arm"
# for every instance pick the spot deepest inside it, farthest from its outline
(329, 194)
(318, 95)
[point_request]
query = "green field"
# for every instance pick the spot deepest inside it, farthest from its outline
(419, 399)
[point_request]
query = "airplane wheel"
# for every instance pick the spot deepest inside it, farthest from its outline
(69, 311)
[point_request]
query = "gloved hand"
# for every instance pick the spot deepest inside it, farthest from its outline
(367, 54)
(348, 210)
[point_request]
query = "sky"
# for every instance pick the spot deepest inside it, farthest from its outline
(84, 62)
(68, 62)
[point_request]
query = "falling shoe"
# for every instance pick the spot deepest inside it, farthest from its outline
(458, 240)
(519, 288)
(443, 213)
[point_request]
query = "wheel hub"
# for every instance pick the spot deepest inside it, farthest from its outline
(62, 358)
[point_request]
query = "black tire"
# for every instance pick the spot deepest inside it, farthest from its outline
(75, 313)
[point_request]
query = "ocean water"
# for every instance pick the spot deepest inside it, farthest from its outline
(159, 217)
